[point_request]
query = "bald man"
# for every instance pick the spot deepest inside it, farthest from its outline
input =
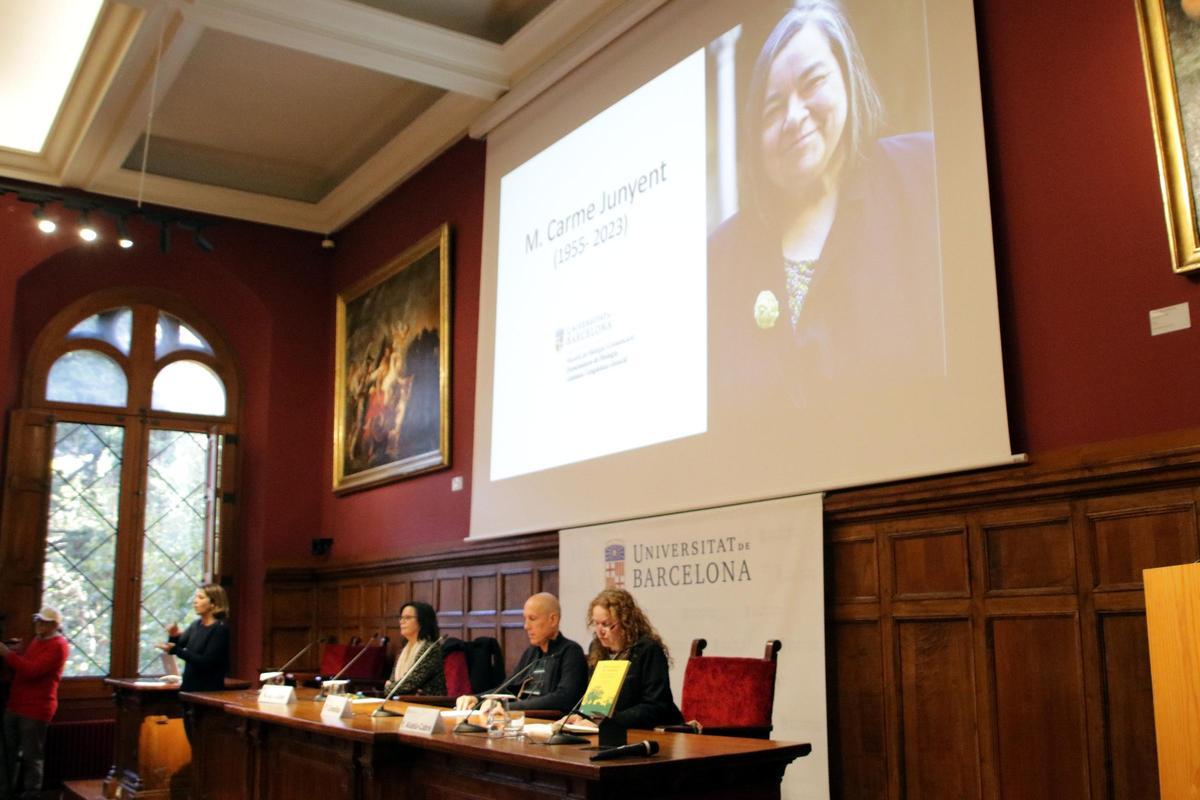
(555, 667)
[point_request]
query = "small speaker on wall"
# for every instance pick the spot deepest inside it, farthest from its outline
(321, 547)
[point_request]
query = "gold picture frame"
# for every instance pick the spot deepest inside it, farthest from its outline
(392, 372)
(1174, 90)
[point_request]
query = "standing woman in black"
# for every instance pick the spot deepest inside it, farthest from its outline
(204, 646)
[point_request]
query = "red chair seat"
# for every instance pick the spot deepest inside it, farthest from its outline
(458, 680)
(370, 667)
(730, 695)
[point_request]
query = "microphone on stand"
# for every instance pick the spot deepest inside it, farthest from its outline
(558, 737)
(321, 695)
(383, 712)
(470, 727)
(642, 749)
(270, 676)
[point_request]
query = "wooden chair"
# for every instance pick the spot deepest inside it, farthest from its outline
(728, 696)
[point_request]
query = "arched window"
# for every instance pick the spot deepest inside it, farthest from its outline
(120, 493)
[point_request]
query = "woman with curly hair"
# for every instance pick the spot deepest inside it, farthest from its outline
(621, 631)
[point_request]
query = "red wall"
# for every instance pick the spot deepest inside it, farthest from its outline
(422, 512)
(1080, 234)
(265, 289)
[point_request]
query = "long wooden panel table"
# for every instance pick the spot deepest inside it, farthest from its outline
(275, 752)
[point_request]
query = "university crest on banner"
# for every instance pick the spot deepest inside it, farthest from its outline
(614, 565)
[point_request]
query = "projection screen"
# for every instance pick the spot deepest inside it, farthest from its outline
(744, 252)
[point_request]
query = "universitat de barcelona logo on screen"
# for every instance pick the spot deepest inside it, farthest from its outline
(614, 565)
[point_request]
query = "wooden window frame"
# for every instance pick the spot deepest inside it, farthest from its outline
(31, 443)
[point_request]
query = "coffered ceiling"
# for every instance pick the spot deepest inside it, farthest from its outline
(300, 113)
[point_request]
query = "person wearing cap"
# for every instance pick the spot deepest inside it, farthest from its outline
(37, 667)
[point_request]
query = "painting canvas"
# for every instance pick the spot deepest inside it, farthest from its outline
(1171, 50)
(392, 385)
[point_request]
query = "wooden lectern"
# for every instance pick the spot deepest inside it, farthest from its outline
(152, 756)
(1173, 628)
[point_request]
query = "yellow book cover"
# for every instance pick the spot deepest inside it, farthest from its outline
(603, 689)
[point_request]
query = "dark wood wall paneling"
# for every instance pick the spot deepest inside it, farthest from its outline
(987, 633)
(477, 591)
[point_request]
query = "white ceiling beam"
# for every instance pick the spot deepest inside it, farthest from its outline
(116, 31)
(122, 117)
(590, 42)
(547, 33)
(442, 124)
(116, 27)
(28, 167)
(356, 34)
(112, 97)
(215, 200)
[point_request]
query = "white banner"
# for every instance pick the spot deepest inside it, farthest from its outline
(735, 576)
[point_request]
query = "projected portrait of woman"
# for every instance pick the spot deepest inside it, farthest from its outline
(830, 270)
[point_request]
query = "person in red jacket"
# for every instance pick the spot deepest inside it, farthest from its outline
(32, 701)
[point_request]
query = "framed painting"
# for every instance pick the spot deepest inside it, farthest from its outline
(392, 373)
(1170, 32)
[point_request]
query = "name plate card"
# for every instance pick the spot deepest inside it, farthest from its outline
(275, 693)
(338, 706)
(422, 720)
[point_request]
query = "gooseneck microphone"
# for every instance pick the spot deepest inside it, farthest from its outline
(519, 673)
(470, 727)
(302, 651)
(321, 695)
(384, 712)
(278, 674)
(642, 749)
(558, 737)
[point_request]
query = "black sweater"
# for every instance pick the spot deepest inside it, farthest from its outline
(205, 653)
(646, 700)
(558, 682)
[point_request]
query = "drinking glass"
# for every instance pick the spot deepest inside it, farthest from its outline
(497, 719)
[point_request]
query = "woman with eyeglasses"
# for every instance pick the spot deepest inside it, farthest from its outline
(419, 665)
(621, 631)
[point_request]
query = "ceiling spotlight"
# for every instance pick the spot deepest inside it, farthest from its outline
(44, 223)
(328, 243)
(123, 238)
(86, 231)
(202, 242)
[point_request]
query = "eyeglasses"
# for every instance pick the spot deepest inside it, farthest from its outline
(604, 626)
(408, 617)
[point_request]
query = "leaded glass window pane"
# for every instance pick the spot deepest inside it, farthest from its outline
(114, 326)
(86, 376)
(179, 490)
(171, 334)
(188, 387)
(81, 540)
